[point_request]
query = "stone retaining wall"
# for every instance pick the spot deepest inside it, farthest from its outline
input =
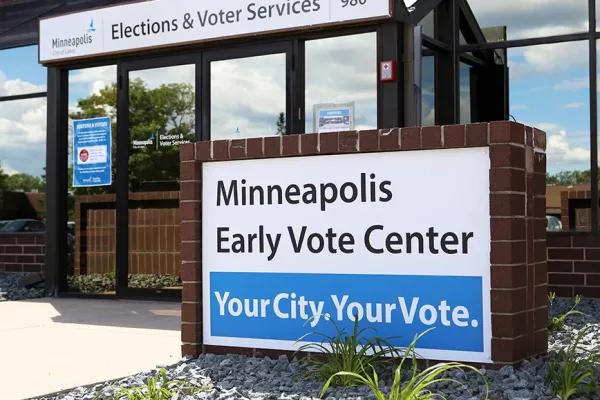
(22, 252)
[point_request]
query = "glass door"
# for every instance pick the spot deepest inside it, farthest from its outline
(247, 92)
(160, 115)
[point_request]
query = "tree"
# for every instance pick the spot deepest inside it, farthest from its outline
(281, 124)
(24, 182)
(3, 177)
(153, 114)
(569, 178)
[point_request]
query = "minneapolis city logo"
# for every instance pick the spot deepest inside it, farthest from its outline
(75, 42)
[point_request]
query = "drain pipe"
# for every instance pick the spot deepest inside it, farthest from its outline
(412, 74)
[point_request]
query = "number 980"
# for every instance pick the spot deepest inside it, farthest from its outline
(353, 3)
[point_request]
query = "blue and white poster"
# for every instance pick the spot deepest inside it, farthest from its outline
(333, 117)
(284, 255)
(92, 148)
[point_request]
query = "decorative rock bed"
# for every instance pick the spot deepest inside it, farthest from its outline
(239, 377)
(10, 289)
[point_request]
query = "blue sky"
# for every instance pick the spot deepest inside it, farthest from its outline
(548, 84)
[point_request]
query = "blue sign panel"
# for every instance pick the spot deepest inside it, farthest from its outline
(92, 146)
(395, 305)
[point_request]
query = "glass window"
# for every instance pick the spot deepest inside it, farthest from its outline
(428, 91)
(529, 19)
(22, 164)
(549, 89)
(161, 118)
(465, 93)
(20, 72)
(91, 210)
(23, 138)
(248, 97)
(428, 25)
(341, 74)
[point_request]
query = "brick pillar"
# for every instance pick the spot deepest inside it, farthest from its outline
(517, 187)
(191, 259)
(518, 249)
(538, 278)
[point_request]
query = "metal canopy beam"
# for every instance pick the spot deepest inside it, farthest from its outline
(472, 31)
(422, 8)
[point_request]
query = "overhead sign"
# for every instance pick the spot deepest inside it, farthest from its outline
(333, 117)
(362, 235)
(156, 23)
(92, 145)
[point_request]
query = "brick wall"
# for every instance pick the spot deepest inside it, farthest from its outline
(517, 207)
(21, 252)
(154, 245)
(574, 264)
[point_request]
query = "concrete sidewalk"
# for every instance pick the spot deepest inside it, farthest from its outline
(47, 345)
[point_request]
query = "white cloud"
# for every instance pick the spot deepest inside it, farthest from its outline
(11, 87)
(532, 18)
(560, 151)
(552, 60)
(573, 105)
(8, 170)
(23, 135)
(564, 149)
(572, 85)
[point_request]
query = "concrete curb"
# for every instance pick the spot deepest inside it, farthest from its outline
(105, 382)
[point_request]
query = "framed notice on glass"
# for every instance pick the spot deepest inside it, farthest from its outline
(92, 149)
(333, 117)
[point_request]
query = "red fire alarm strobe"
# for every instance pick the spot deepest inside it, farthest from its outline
(387, 71)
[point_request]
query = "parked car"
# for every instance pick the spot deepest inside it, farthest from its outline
(24, 225)
(553, 224)
(33, 225)
(71, 237)
(2, 223)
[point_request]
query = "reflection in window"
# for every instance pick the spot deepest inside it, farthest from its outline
(465, 94)
(529, 19)
(248, 97)
(549, 89)
(91, 248)
(341, 73)
(428, 25)
(20, 72)
(22, 162)
(428, 91)
(23, 137)
(161, 118)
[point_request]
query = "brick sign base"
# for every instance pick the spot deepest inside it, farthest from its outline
(517, 220)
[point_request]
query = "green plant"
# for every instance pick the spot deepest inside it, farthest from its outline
(112, 275)
(343, 352)
(556, 323)
(419, 386)
(154, 389)
(571, 374)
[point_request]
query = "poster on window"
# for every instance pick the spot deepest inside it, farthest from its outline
(333, 117)
(92, 152)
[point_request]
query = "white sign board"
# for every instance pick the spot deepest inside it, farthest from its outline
(400, 239)
(156, 23)
(333, 117)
